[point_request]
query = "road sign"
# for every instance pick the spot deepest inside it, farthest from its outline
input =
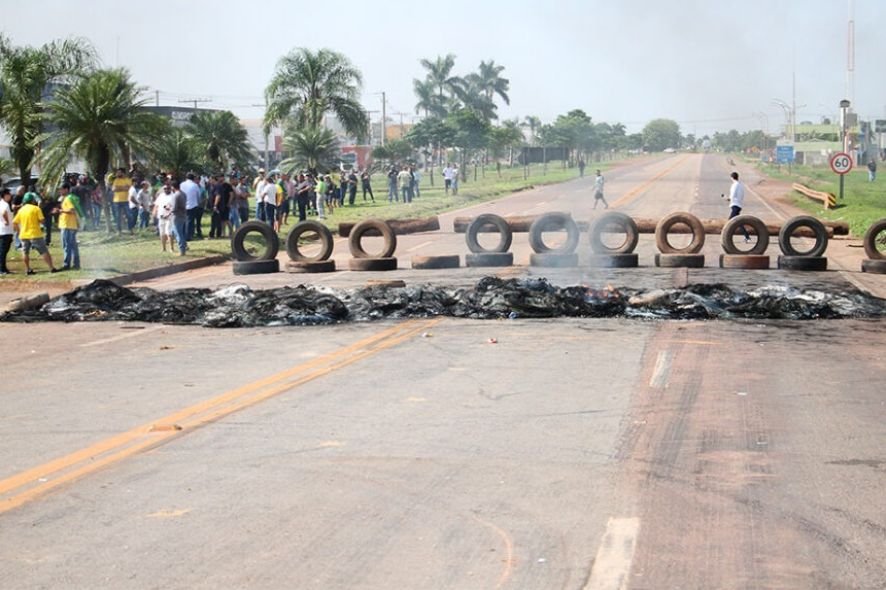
(841, 163)
(880, 126)
(784, 154)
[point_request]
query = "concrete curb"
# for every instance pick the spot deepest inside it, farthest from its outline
(162, 271)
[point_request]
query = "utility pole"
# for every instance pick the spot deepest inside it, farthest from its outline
(384, 126)
(157, 98)
(196, 100)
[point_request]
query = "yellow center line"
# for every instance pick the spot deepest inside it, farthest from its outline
(28, 485)
(633, 194)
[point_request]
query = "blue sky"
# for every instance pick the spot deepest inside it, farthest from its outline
(707, 64)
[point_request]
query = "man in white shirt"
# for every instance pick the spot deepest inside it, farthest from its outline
(192, 202)
(598, 190)
(6, 230)
(267, 194)
(736, 200)
(447, 179)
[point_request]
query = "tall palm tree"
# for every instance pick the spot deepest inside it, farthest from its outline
(490, 81)
(308, 85)
(428, 100)
(221, 138)
(534, 124)
(440, 75)
(99, 118)
(176, 152)
(314, 148)
(473, 96)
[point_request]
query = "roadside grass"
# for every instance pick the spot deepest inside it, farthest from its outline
(105, 255)
(863, 202)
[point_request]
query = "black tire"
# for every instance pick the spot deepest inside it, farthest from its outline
(626, 260)
(733, 226)
(309, 226)
(256, 267)
(431, 262)
(744, 261)
(553, 221)
(624, 223)
(870, 241)
(478, 223)
(876, 266)
(795, 223)
(307, 266)
(681, 217)
(272, 242)
(381, 263)
(802, 262)
(368, 225)
(490, 259)
(553, 260)
(679, 260)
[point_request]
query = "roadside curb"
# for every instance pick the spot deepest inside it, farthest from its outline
(162, 271)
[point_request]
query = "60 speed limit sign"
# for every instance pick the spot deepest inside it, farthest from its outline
(841, 163)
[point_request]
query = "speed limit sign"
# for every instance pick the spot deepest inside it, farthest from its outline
(841, 163)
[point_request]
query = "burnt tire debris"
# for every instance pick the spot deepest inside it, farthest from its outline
(490, 298)
(435, 262)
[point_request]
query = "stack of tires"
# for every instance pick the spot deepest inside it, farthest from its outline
(795, 259)
(563, 256)
(875, 249)
(300, 262)
(247, 262)
(620, 256)
(495, 256)
(670, 256)
(363, 260)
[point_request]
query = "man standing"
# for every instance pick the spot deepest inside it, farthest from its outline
(352, 187)
(83, 194)
(28, 222)
(180, 217)
(447, 178)
(392, 185)
(69, 223)
(598, 191)
(242, 193)
(872, 170)
(5, 228)
(736, 201)
(258, 184)
(455, 180)
(404, 179)
(120, 187)
(268, 198)
(366, 180)
(163, 214)
(221, 206)
(303, 196)
(416, 181)
(581, 167)
(145, 198)
(191, 191)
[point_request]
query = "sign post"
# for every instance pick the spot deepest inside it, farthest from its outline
(784, 153)
(841, 163)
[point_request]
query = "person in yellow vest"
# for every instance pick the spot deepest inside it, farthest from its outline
(69, 222)
(121, 185)
(28, 222)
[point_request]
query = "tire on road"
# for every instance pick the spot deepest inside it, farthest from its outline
(309, 266)
(489, 259)
(479, 222)
(309, 226)
(875, 266)
(627, 260)
(238, 245)
(679, 260)
(432, 262)
(553, 259)
(793, 224)
(623, 223)
(552, 221)
(379, 263)
(744, 261)
(733, 226)
(680, 217)
(802, 262)
(256, 267)
(369, 225)
(870, 240)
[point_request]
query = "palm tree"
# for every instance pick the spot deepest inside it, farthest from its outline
(308, 85)
(440, 76)
(27, 76)
(314, 148)
(473, 96)
(99, 118)
(534, 124)
(176, 153)
(490, 81)
(221, 138)
(428, 101)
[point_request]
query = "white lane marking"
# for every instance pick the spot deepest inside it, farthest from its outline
(662, 370)
(422, 245)
(123, 336)
(613, 561)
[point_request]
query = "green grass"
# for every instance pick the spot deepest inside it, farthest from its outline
(863, 202)
(107, 255)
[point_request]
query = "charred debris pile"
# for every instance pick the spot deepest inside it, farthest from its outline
(490, 298)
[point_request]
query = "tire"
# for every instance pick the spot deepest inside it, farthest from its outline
(555, 220)
(870, 240)
(744, 261)
(430, 262)
(681, 217)
(875, 266)
(626, 260)
(359, 230)
(625, 223)
(679, 260)
(490, 259)
(733, 226)
(504, 231)
(302, 228)
(553, 260)
(381, 263)
(308, 266)
(272, 242)
(795, 223)
(256, 267)
(802, 262)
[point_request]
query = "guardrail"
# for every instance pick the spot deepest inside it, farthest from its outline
(829, 200)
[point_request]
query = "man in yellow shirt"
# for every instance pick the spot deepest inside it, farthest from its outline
(28, 223)
(121, 185)
(69, 223)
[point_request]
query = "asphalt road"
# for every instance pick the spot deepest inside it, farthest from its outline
(445, 453)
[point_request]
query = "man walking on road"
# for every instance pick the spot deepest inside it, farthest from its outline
(736, 200)
(598, 191)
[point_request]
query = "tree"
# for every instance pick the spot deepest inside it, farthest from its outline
(473, 97)
(534, 124)
(428, 101)
(440, 76)
(99, 118)
(313, 148)
(308, 85)
(176, 153)
(506, 137)
(491, 82)
(471, 133)
(222, 139)
(27, 76)
(660, 134)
